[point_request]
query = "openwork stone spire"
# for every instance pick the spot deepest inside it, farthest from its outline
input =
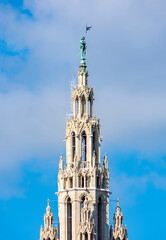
(48, 232)
(83, 181)
(118, 232)
(83, 177)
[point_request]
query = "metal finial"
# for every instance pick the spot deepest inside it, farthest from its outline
(48, 201)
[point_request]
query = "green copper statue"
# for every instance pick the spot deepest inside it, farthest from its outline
(83, 50)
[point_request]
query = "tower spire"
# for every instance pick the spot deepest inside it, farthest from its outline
(83, 183)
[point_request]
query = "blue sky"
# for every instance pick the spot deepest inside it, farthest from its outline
(126, 57)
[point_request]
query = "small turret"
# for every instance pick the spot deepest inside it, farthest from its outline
(48, 232)
(118, 232)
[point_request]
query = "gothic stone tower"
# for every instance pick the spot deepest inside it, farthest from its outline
(83, 183)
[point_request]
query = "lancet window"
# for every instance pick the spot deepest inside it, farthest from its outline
(83, 147)
(81, 207)
(73, 145)
(76, 105)
(81, 181)
(83, 105)
(91, 236)
(82, 201)
(86, 236)
(94, 141)
(99, 219)
(69, 219)
(89, 107)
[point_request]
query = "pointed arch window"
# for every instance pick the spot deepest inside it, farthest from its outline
(83, 146)
(76, 105)
(73, 145)
(94, 141)
(81, 207)
(91, 236)
(82, 201)
(83, 105)
(89, 107)
(86, 236)
(69, 219)
(99, 219)
(83, 182)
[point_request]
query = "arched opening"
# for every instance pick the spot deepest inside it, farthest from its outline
(89, 107)
(81, 236)
(86, 236)
(99, 219)
(94, 141)
(91, 236)
(76, 106)
(83, 182)
(83, 147)
(83, 105)
(81, 207)
(79, 180)
(73, 145)
(82, 201)
(69, 219)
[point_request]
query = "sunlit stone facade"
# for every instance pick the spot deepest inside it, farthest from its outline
(83, 184)
(83, 180)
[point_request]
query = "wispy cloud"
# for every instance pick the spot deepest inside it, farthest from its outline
(129, 187)
(126, 62)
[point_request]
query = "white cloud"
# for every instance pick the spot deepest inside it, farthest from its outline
(135, 120)
(128, 188)
(126, 58)
(30, 124)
